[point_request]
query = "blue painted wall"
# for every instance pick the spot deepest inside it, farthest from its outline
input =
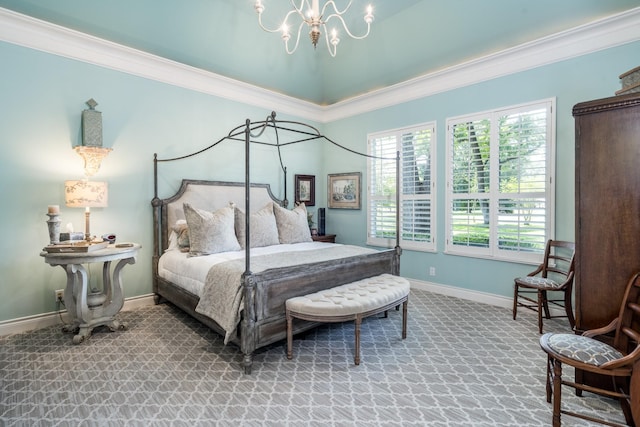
(571, 81)
(43, 97)
(40, 121)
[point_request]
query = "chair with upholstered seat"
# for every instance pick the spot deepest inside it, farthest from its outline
(555, 274)
(620, 361)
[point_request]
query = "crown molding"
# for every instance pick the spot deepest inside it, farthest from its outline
(615, 30)
(44, 36)
(40, 35)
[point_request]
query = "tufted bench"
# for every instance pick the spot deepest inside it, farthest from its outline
(352, 301)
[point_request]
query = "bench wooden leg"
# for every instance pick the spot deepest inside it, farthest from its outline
(404, 319)
(358, 321)
(289, 335)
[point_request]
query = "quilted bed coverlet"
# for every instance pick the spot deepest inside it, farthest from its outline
(222, 296)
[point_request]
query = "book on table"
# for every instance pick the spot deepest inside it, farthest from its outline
(75, 247)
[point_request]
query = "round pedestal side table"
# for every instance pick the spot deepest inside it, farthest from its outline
(89, 308)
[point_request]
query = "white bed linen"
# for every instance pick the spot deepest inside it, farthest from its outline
(190, 273)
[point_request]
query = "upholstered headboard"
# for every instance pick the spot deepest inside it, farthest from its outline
(208, 195)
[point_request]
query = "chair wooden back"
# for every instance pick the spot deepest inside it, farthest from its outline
(558, 261)
(628, 329)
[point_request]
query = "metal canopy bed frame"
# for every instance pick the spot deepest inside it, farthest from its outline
(263, 319)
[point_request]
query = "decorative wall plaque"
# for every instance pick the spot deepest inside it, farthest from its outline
(92, 125)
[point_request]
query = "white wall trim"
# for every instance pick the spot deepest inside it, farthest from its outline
(30, 323)
(475, 296)
(606, 33)
(44, 36)
(462, 293)
(40, 35)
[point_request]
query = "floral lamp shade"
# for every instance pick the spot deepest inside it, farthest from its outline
(86, 194)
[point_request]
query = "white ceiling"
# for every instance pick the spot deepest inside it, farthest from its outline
(409, 38)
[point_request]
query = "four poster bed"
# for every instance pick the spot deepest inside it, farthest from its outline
(235, 282)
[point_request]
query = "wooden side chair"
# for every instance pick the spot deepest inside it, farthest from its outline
(555, 274)
(620, 361)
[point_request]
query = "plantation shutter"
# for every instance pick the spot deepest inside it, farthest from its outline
(522, 204)
(470, 214)
(415, 146)
(382, 185)
(499, 182)
(416, 188)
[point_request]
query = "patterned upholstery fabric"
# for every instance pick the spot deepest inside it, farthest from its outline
(583, 349)
(293, 226)
(538, 282)
(210, 232)
(264, 231)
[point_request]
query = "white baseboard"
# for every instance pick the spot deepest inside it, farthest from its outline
(30, 323)
(467, 294)
(452, 291)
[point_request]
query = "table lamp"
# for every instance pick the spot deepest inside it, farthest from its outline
(86, 194)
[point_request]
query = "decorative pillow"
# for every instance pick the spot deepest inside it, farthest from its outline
(292, 224)
(210, 232)
(263, 229)
(182, 235)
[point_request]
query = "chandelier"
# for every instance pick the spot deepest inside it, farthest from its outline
(314, 18)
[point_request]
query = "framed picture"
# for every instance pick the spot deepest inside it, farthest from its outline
(343, 190)
(306, 189)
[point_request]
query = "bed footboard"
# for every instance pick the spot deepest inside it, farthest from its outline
(266, 292)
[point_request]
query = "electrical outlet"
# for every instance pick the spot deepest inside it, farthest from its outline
(432, 271)
(59, 293)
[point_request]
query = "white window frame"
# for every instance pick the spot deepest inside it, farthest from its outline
(425, 246)
(494, 195)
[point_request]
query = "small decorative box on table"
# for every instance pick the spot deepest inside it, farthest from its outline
(88, 308)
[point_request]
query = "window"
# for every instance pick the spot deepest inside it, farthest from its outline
(415, 146)
(499, 182)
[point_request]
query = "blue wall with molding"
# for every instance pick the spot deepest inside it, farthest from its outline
(43, 96)
(570, 81)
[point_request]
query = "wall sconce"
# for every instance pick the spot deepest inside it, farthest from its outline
(91, 150)
(86, 194)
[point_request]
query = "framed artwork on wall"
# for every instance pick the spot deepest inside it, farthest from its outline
(306, 189)
(343, 190)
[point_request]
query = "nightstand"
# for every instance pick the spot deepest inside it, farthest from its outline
(88, 308)
(327, 238)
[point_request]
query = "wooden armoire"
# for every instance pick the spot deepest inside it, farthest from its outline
(607, 206)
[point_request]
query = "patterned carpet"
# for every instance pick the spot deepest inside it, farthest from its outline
(462, 364)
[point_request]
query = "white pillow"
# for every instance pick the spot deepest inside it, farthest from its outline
(293, 226)
(263, 229)
(210, 232)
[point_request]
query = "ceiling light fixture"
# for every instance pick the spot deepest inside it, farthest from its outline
(314, 19)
